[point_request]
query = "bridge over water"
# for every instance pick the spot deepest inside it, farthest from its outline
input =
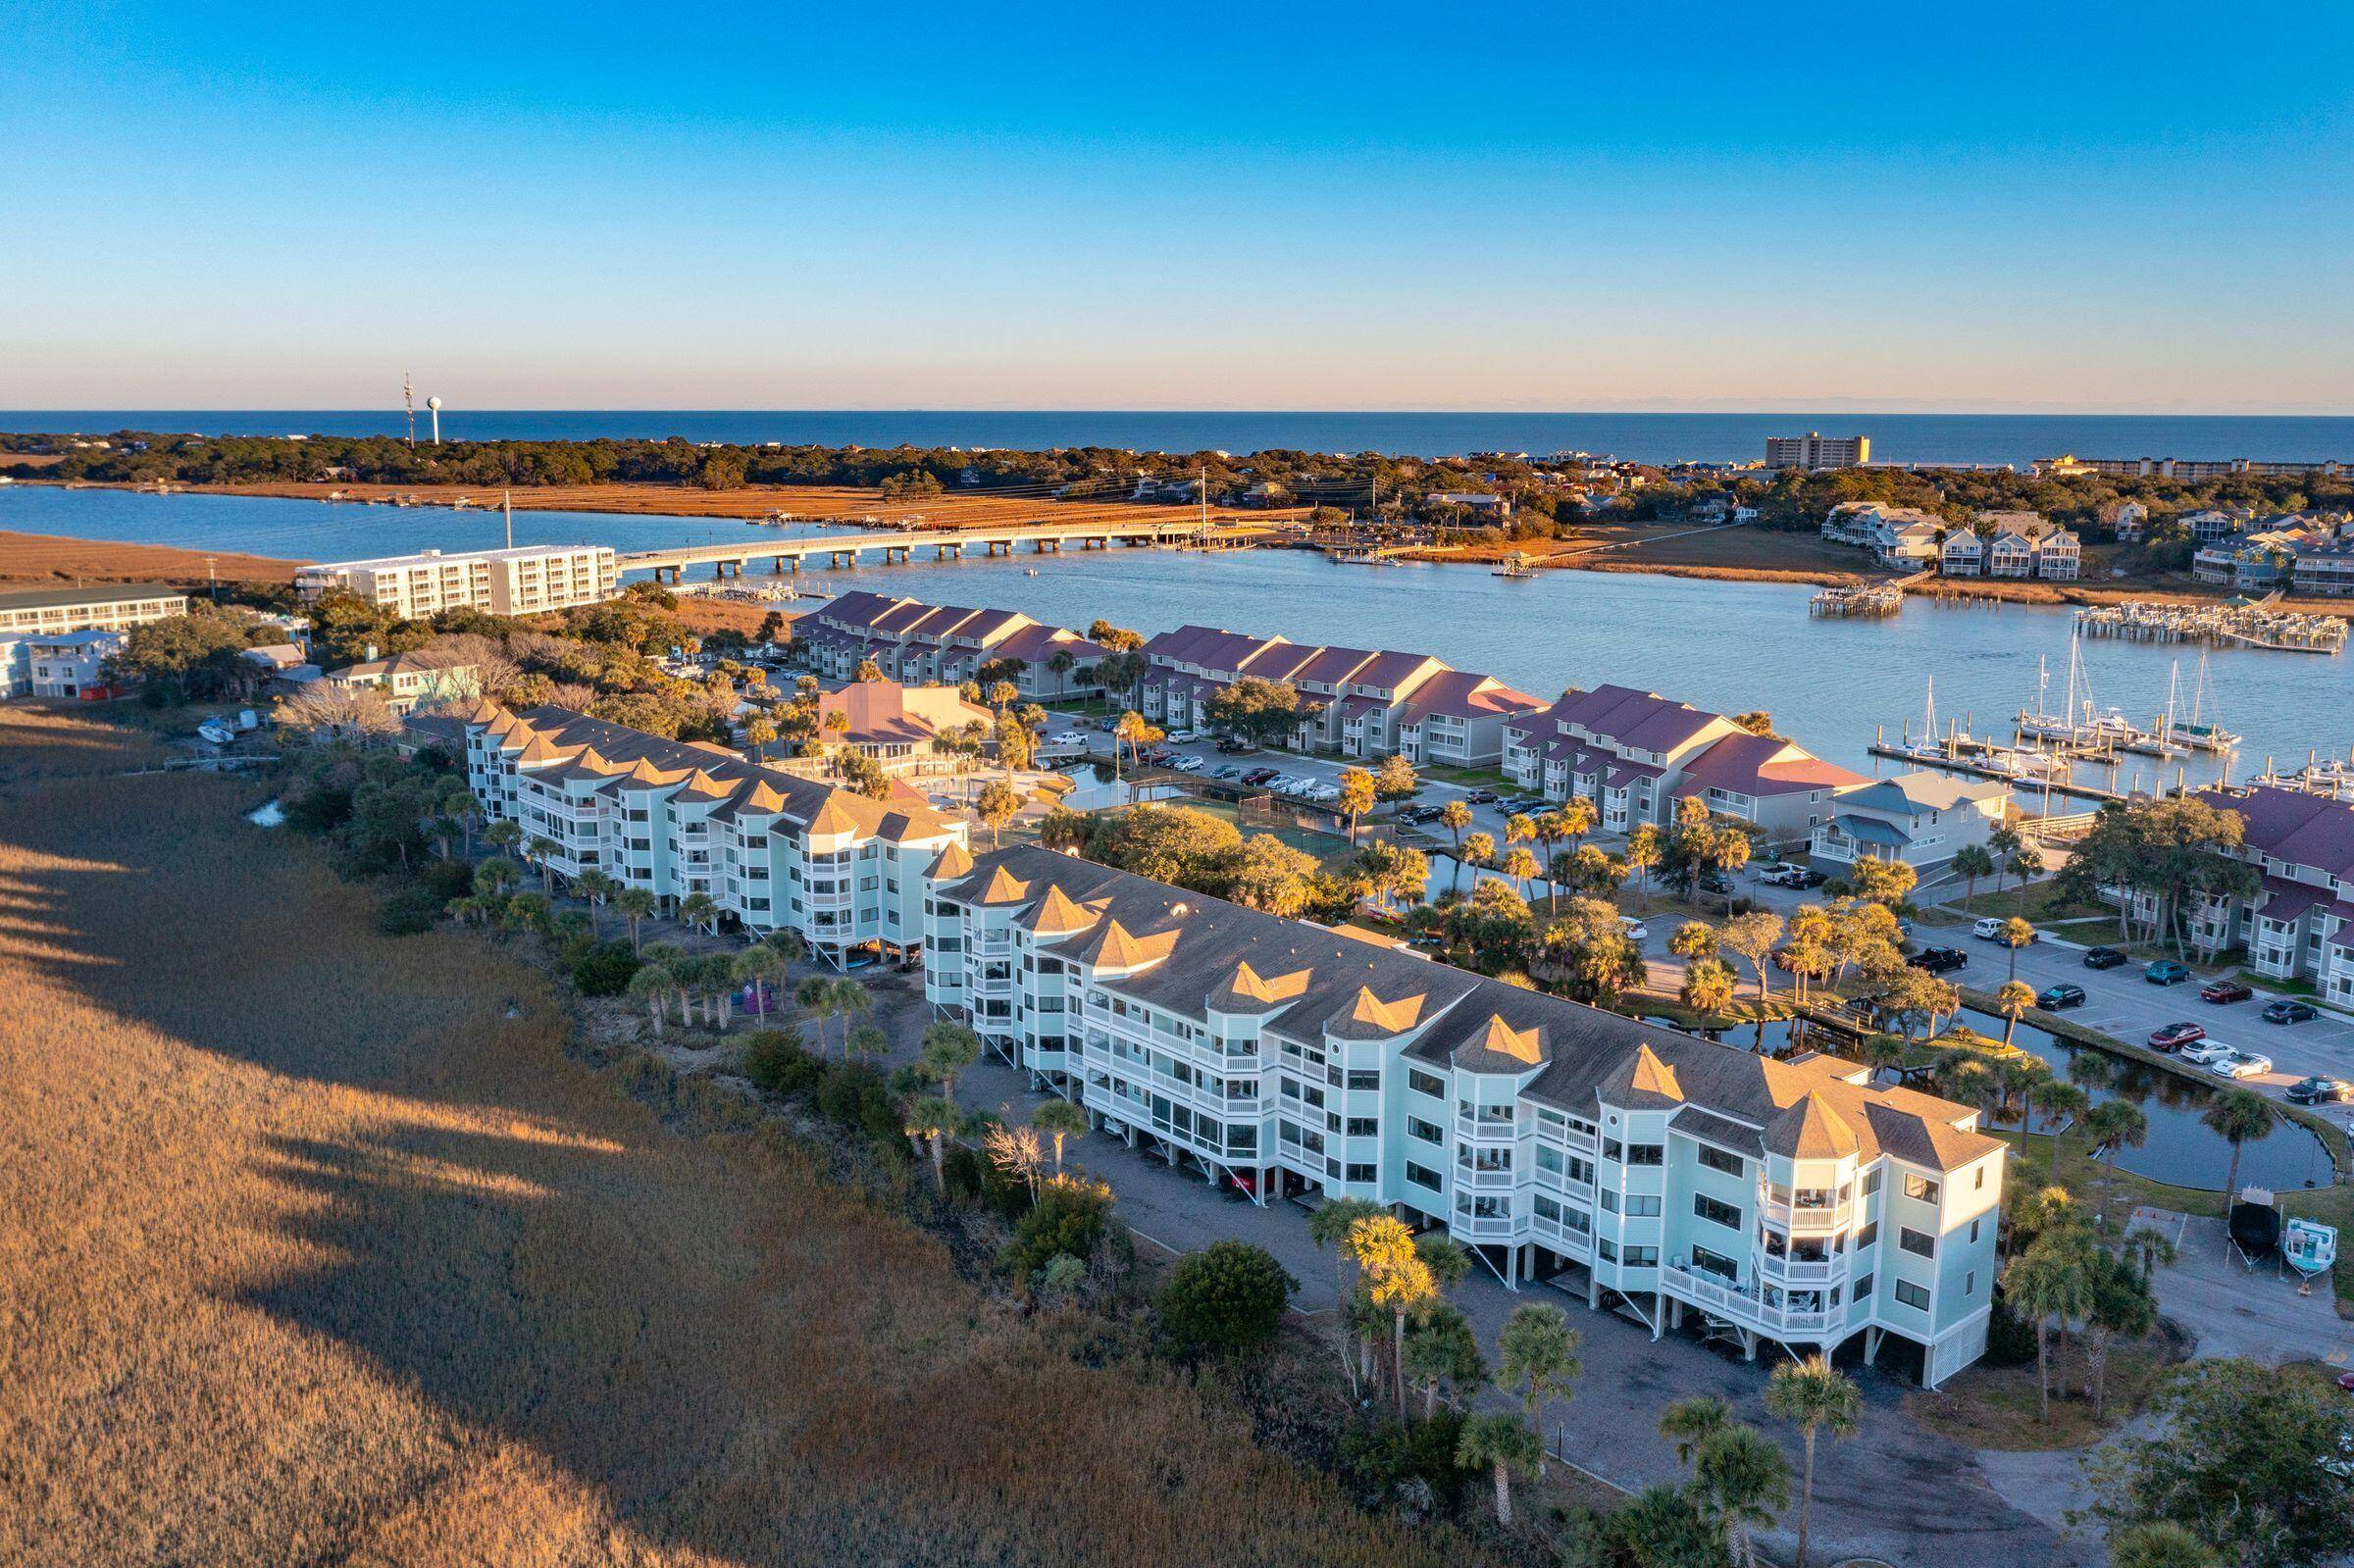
(946, 544)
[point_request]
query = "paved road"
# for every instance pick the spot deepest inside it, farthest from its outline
(1898, 1493)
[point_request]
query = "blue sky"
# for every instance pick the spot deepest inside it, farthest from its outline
(1565, 207)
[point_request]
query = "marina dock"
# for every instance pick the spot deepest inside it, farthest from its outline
(2261, 625)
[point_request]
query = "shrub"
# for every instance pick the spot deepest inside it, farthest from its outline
(1389, 1463)
(448, 879)
(853, 1096)
(604, 968)
(410, 912)
(1226, 1299)
(1069, 1220)
(773, 1059)
(2009, 1338)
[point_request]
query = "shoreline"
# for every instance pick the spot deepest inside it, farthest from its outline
(1757, 555)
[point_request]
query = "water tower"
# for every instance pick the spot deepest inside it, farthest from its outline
(433, 406)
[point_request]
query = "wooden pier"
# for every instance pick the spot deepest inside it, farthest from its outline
(1977, 770)
(2261, 625)
(1869, 599)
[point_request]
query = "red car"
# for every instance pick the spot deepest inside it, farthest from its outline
(2225, 990)
(2174, 1037)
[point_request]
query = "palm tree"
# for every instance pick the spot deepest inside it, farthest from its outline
(503, 835)
(1519, 865)
(1357, 797)
(1728, 853)
(931, 1119)
(652, 986)
(598, 888)
(1330, 1225)
(2017, 933)
(2015, 999)
(699, 910)
(1815, 1397)
(2113, 1125)
(1970, 862)
(2049, 1280)
(1504, 1443)
(761, 966)
(636, 905)
(1397, 1279)
(1741, 1480)
(1708, 986)
(1455, 816)
(1059, 664)
(868, 1042)
(1537, 1355)
(947, 1049)
(2057, 1099)
(1689, 1422)
(1693, 941)
(815, 994)
(2238, 1116)
(1059, 1119)
(1478, 849)
(2002, 844)
(1642, 855)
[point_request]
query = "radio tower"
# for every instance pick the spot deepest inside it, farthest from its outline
(408, 396)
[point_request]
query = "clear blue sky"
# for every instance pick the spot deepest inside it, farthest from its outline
(2129, 207)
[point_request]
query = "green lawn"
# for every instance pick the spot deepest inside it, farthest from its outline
(2043, 904)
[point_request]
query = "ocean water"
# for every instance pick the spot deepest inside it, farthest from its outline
(2014, 439)
(1831, 685)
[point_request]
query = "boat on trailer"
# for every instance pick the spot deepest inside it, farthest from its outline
(2310, 1248)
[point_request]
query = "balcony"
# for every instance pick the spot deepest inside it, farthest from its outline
(1713, 1294)
(1486, 1129)
(1790, 1270)
(1804, 1216)
(1487, 1228)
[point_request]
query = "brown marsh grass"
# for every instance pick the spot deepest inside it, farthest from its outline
(311, 1253)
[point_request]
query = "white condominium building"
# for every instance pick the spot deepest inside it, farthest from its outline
(1781, 1200)
(525, 580)
(115, 608)
(1816, 450)
(677, 819)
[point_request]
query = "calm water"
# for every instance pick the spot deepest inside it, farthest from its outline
(2180, 1148)
(1724, 646)
(2015, 438)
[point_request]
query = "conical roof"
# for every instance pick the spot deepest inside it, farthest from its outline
(1811, 1129)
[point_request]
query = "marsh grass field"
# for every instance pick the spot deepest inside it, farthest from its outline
(317, 1246)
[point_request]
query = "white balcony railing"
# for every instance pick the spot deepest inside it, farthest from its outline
(1713, 1294)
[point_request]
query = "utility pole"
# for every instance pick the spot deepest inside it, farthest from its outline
(212, 577)
(508, 506)
(1204, 483)
(408, 397)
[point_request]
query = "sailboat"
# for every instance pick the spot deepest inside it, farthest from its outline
(2191, 733)
(2080, 723)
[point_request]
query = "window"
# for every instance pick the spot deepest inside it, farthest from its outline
(1643, 1206)
(1871, 1182)
(1913, 1295)
(1864, 1288)
(1358, 1078)
(1612, 1149)
(1716, 1159)
(1974, 1230)
(1581, 1171)
(1363, 1127)
(1921, 1187)
(1918, 1242)
(1427, 1132)
(1359, 1173)
(1969, 1282)
(1426, 1084)
(1609, 1202)
(1715, 1263)
(1716, 1213)
(1642, 1257)
(1868, 1235)
(1608, 1248)
(1421, 1176)
(1644, 1153)
(1981, 1181)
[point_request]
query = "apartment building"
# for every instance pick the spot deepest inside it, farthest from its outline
(1632, 755)
(2177, 467)
(30, 616)
(948, 644)
(1921, 818)
(679, 818)
(1815, 450)
(900, 727)
(1787, 1201)
(1361, 702)
(528, 580)
(2300, 924)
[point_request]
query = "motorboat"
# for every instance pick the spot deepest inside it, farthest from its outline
(2310, 1248)
(218, 731)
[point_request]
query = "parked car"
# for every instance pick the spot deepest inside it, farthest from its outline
(2174, 1037)
(1229, 771)
(1068, 737)
(1811, 878)
(2207, 1053)
(2285, 1011)
(1259, 775)
(1990, 928)
(1186, 764)
(1235, 745)
(2165, 971)
(1777, 871)
(1635, 929)
(1184, 736)
(1939, 960)
(2225, 990)
(1483, 797)
(2241, 1064)
(2103, 958)
(2320, 1091)
(2052, 999)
